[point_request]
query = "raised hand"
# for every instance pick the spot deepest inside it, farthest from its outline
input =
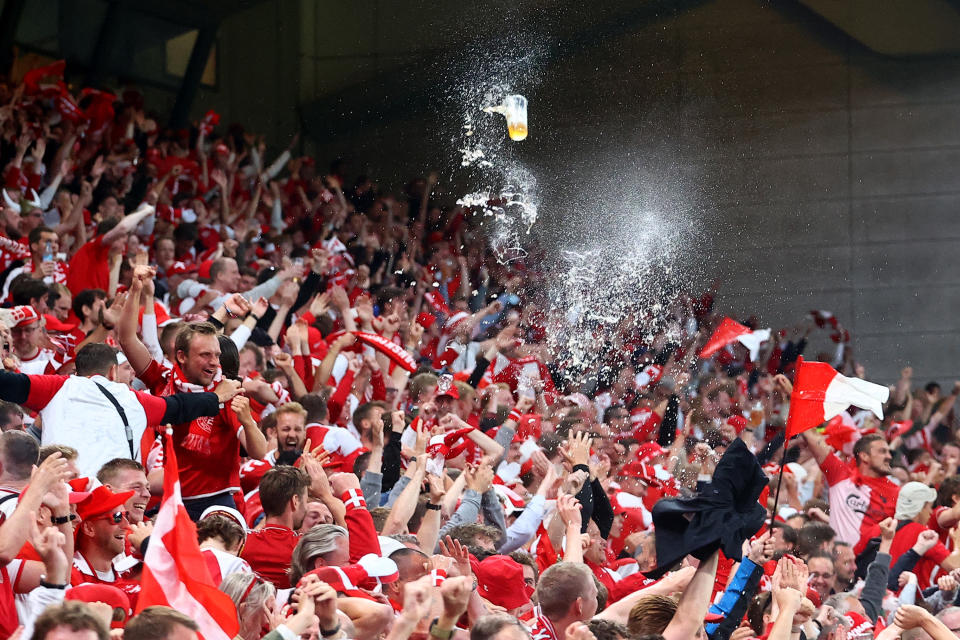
(576, 449)
(568, 508)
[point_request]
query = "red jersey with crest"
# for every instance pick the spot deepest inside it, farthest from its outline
(202, 474)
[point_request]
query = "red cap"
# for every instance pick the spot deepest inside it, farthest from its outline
(203, 271)
(500, 580)
(23, 315)
(79, 484)
(181, 268)
(530, 426)
(649, 450)
(738, 422)
(55, 324)
(101, 502)
(640, 471)
(425, 319)
(352, 579)
(93, 592)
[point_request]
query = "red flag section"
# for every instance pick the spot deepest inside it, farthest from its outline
(175, 573)
(731, 331)
(820, 393)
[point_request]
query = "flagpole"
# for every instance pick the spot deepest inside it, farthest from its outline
(786, 440)
(776, 496)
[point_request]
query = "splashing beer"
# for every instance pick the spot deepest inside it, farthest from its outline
(514, 109)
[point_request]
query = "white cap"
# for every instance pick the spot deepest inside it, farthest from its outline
(227, 512)
(388, 546)
(913, 496)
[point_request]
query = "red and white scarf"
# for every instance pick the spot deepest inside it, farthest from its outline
(198, 437)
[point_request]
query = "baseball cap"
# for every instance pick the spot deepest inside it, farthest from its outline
(643, 472)
(739, 423)
(92, 592)
(649, 450)
(388, 546)
(23, 315)
(913, 496)
(500, 580)
(101, 502)
(226, 512)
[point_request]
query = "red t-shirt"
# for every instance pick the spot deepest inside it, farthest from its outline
(202, 474)
(8, 610)
(269, 551)
(926, 568)
(89, 267)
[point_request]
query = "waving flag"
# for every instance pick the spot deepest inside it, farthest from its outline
(820, 393)
(174, 573)
(730, 331)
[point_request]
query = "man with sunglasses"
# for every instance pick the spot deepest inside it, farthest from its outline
(100, 539)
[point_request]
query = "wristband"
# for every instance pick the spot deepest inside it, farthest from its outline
(354, 498)
(50, 585)
(515, 415)
(440, 634)
(326, 633)
(433, 507)
(58, 520)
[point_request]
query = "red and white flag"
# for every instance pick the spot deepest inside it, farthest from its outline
(175, 574)
(731, 331)
(820, 393)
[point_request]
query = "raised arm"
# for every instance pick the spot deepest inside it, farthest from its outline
(694, 602)
(128, 224)
(136, 352)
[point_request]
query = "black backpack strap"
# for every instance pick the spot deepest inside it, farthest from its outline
(123, 416)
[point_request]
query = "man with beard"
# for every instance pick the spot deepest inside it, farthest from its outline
(208, 448)
(283, 494)
(100, 539)
(860, 496)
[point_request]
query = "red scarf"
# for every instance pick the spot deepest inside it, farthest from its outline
(198, 437)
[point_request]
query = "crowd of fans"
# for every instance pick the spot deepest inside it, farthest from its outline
(373, 438)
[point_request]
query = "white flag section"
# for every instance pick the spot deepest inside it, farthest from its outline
(753, 340)
(843, 392)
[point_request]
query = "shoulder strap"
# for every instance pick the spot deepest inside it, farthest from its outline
(123, 416)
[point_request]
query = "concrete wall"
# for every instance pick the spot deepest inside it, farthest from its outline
(819, 175)
(257, 78)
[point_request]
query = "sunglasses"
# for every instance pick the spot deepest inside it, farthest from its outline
(116, 518)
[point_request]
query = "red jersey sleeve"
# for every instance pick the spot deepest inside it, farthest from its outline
(154, 406)
(363, 535)
(937, 554)
(378, 386)
(339, 397)
(42, 390)
(626, 586)
(834, 470)
(154, 377)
